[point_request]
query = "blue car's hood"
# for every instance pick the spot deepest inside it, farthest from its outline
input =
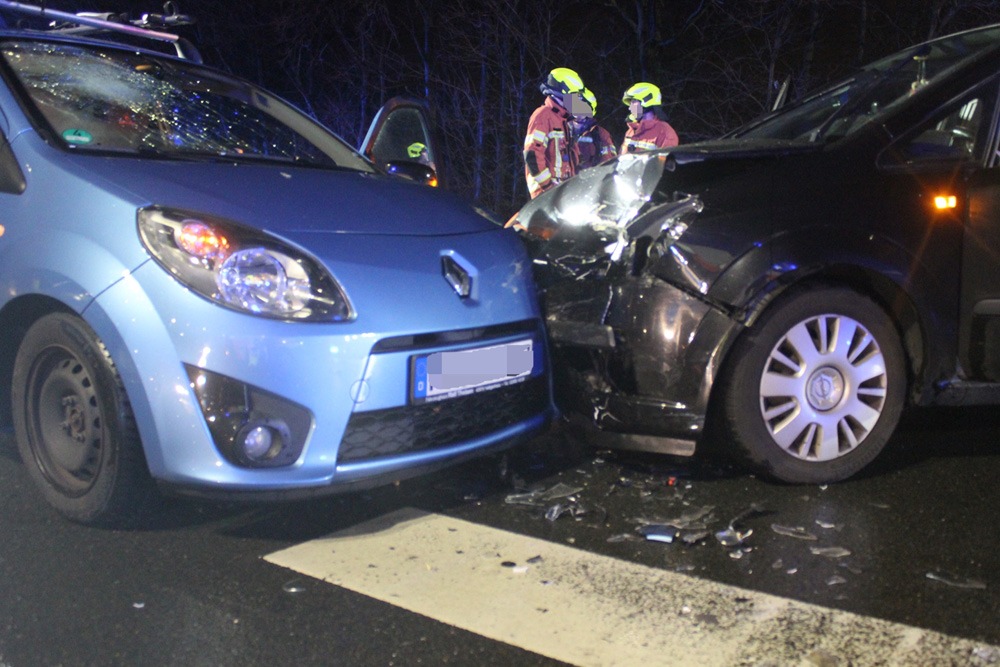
(290, 199)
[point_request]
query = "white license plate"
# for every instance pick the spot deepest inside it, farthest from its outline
(443, 375)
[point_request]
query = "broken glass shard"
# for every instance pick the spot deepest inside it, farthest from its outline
(797, 532)
(830, 552)
(956, 581)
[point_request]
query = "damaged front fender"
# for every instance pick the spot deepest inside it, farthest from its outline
(636, 341)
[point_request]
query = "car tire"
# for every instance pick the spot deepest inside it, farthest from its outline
(74, 426)
(814, 389)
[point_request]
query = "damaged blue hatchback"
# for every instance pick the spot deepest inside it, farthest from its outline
(204, 290)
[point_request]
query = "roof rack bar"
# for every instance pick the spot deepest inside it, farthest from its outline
(44, 13)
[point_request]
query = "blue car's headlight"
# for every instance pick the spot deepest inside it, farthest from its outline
(242, 268)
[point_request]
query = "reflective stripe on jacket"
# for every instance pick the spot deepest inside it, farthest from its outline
(548, 155)
(649, 134)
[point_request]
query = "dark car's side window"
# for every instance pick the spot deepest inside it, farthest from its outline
(951, 136)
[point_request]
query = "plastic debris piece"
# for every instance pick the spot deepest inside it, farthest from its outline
(139, 605)
(686, 567)
(792, 570)
(956, 581)
(736, 554)
(778, 564)
(534, 560)
(520, 569)
(850, 568)
(830, 552)
(294, 586)
(508, 563)
(826, 525)
(836, 580)
(658, 532)
(798, 532)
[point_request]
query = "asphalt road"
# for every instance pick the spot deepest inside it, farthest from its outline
(913, 542)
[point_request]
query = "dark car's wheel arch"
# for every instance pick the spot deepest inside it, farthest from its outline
(892, 298)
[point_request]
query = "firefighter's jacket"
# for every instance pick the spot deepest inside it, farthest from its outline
(549, 156)
(648, 134)
(596, 146)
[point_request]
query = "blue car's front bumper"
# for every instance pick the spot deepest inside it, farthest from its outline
(345, 388)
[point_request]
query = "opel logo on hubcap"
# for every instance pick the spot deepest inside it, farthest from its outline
(825, 388)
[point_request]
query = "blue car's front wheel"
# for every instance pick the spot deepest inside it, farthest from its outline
(74, 426)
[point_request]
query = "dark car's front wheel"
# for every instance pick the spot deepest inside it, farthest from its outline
(813, 391)
(74, 425)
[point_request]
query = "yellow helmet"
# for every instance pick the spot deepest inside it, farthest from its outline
(591, 99)
(647, 94)
(415, 149)
(563, 80)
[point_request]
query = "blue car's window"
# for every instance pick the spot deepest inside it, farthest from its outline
(879, 87)
(133, 103)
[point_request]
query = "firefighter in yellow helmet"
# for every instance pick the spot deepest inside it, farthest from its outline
(418, 151)
(593, 141)
(648, 128)
(550, 156)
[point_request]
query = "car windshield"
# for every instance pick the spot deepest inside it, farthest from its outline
(849, 105)
(126, 102)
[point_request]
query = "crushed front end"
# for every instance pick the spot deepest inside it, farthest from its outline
(635, 338)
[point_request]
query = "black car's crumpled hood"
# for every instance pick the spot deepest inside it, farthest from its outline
(583, 227)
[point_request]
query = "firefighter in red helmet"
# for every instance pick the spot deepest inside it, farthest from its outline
(550, 156)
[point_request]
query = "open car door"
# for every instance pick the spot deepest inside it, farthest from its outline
(402, 141)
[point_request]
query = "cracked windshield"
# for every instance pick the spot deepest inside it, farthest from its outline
(114, 102)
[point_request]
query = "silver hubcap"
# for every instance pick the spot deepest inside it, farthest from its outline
(823, 388)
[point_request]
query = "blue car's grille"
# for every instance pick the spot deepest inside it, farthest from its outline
(415, 428)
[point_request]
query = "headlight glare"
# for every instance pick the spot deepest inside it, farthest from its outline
(242, 268)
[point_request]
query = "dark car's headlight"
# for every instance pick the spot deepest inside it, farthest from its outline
(242, 268)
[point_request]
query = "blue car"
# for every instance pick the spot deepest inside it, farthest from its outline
(205, 291)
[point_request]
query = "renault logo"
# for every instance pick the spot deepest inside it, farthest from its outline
(459, 278)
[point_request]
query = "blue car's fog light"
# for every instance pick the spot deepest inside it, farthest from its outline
(261, 442)
(251, 428)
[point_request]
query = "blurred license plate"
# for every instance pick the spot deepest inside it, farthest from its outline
(444, 375)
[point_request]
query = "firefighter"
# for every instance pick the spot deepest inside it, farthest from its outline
(593, 141)
(549, 155)
(648, 128)
(418, 151)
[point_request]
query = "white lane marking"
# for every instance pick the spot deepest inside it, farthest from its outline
(586, 609)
